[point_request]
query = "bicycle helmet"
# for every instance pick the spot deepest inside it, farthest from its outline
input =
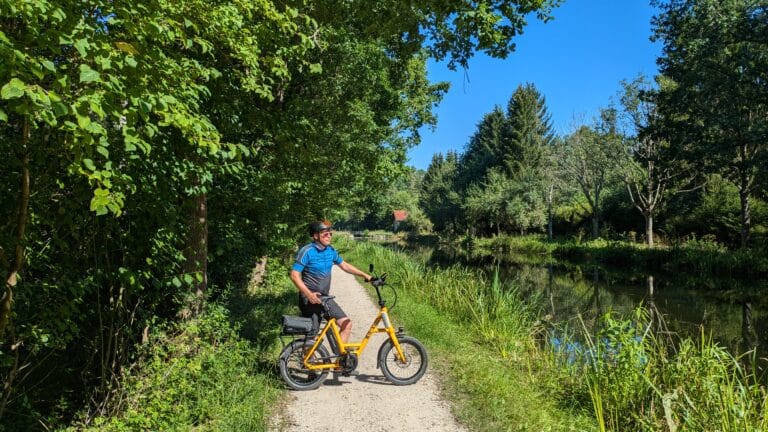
(318, 226)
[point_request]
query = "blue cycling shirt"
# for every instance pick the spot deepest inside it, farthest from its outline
(315, 262)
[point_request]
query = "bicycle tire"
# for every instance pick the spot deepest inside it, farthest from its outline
(292, 368)
(408, 372)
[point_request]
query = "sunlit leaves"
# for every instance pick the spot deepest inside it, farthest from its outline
(13, 89)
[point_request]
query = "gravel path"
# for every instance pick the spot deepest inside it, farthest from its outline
(366, 402)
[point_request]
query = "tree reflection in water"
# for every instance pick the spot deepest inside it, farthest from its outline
(731, 310)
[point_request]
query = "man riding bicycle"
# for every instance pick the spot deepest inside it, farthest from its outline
(311, 273)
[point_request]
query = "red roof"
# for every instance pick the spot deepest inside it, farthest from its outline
(400, 215)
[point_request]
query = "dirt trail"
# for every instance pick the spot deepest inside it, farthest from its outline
(366, 402)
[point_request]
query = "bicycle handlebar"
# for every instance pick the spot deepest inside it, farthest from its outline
(378, 282)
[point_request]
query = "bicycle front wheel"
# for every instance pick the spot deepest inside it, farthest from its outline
(292, 368)
(403, 372)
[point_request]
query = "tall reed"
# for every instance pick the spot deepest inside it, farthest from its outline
(638, 381)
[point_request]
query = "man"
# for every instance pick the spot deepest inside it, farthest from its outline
(311, 273)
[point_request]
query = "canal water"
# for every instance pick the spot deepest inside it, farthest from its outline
(734, 312)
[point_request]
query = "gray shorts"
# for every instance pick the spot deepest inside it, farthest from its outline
(315, 310)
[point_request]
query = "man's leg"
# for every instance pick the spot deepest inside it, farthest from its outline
(345, 325)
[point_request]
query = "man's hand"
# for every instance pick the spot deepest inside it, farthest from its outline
(313, 297)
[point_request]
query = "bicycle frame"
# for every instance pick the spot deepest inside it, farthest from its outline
(352, 347)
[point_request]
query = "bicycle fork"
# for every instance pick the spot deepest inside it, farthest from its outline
(390, 330)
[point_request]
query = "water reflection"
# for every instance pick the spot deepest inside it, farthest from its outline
(732, 311)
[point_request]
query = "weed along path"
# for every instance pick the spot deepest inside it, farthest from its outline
(366, 402)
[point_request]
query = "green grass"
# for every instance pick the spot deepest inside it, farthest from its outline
(499, 376)
(638, 381)
(479, 335)
(218, 372)
(214, 373)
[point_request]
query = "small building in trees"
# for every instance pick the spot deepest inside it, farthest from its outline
(398, 217)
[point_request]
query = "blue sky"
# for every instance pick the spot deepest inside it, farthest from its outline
(576, 61)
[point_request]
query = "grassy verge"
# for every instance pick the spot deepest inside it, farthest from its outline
(637, 380)
(479, 335)
(501, 376)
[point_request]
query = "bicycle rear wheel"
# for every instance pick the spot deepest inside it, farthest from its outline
(403, 372)
(292, 368)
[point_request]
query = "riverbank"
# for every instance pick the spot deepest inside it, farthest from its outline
(479, 338)
(506, 374)
(693, 256)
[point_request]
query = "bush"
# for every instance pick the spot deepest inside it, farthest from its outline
(197, 374)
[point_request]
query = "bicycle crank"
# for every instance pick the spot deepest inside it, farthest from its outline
(348, 362)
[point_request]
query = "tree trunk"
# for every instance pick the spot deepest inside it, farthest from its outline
(549, 213)
(17, 262)
(196, 254)
(595, 225)
(649, 229)
(746, 218)
(748, 335)
(596, 214)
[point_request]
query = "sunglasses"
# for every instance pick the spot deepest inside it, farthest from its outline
(326, 234)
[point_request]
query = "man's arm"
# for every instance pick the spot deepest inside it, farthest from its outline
(349, 268)
(310, 295)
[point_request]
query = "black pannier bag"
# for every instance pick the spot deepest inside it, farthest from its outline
(296, 325)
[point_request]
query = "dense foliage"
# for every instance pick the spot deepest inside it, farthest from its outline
(143, 141)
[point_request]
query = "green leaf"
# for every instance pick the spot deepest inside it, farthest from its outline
(90, 165)
(48, 65)
(60, 109)
(3, 116)
(176, 282)
(12, 90)
(84, 121)
(104, 62)
(87, 74)
(103, 151)
(82, 45)
(99, 204)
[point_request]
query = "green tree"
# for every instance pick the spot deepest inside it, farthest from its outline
(589, 159)
(653, 173)
(139, 137)
(438, 197)
(484, 150)
(716, 56)
(529, 130)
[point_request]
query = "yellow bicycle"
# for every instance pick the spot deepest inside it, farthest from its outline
(305, 362)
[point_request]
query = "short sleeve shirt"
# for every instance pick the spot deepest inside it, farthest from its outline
(315, 262)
